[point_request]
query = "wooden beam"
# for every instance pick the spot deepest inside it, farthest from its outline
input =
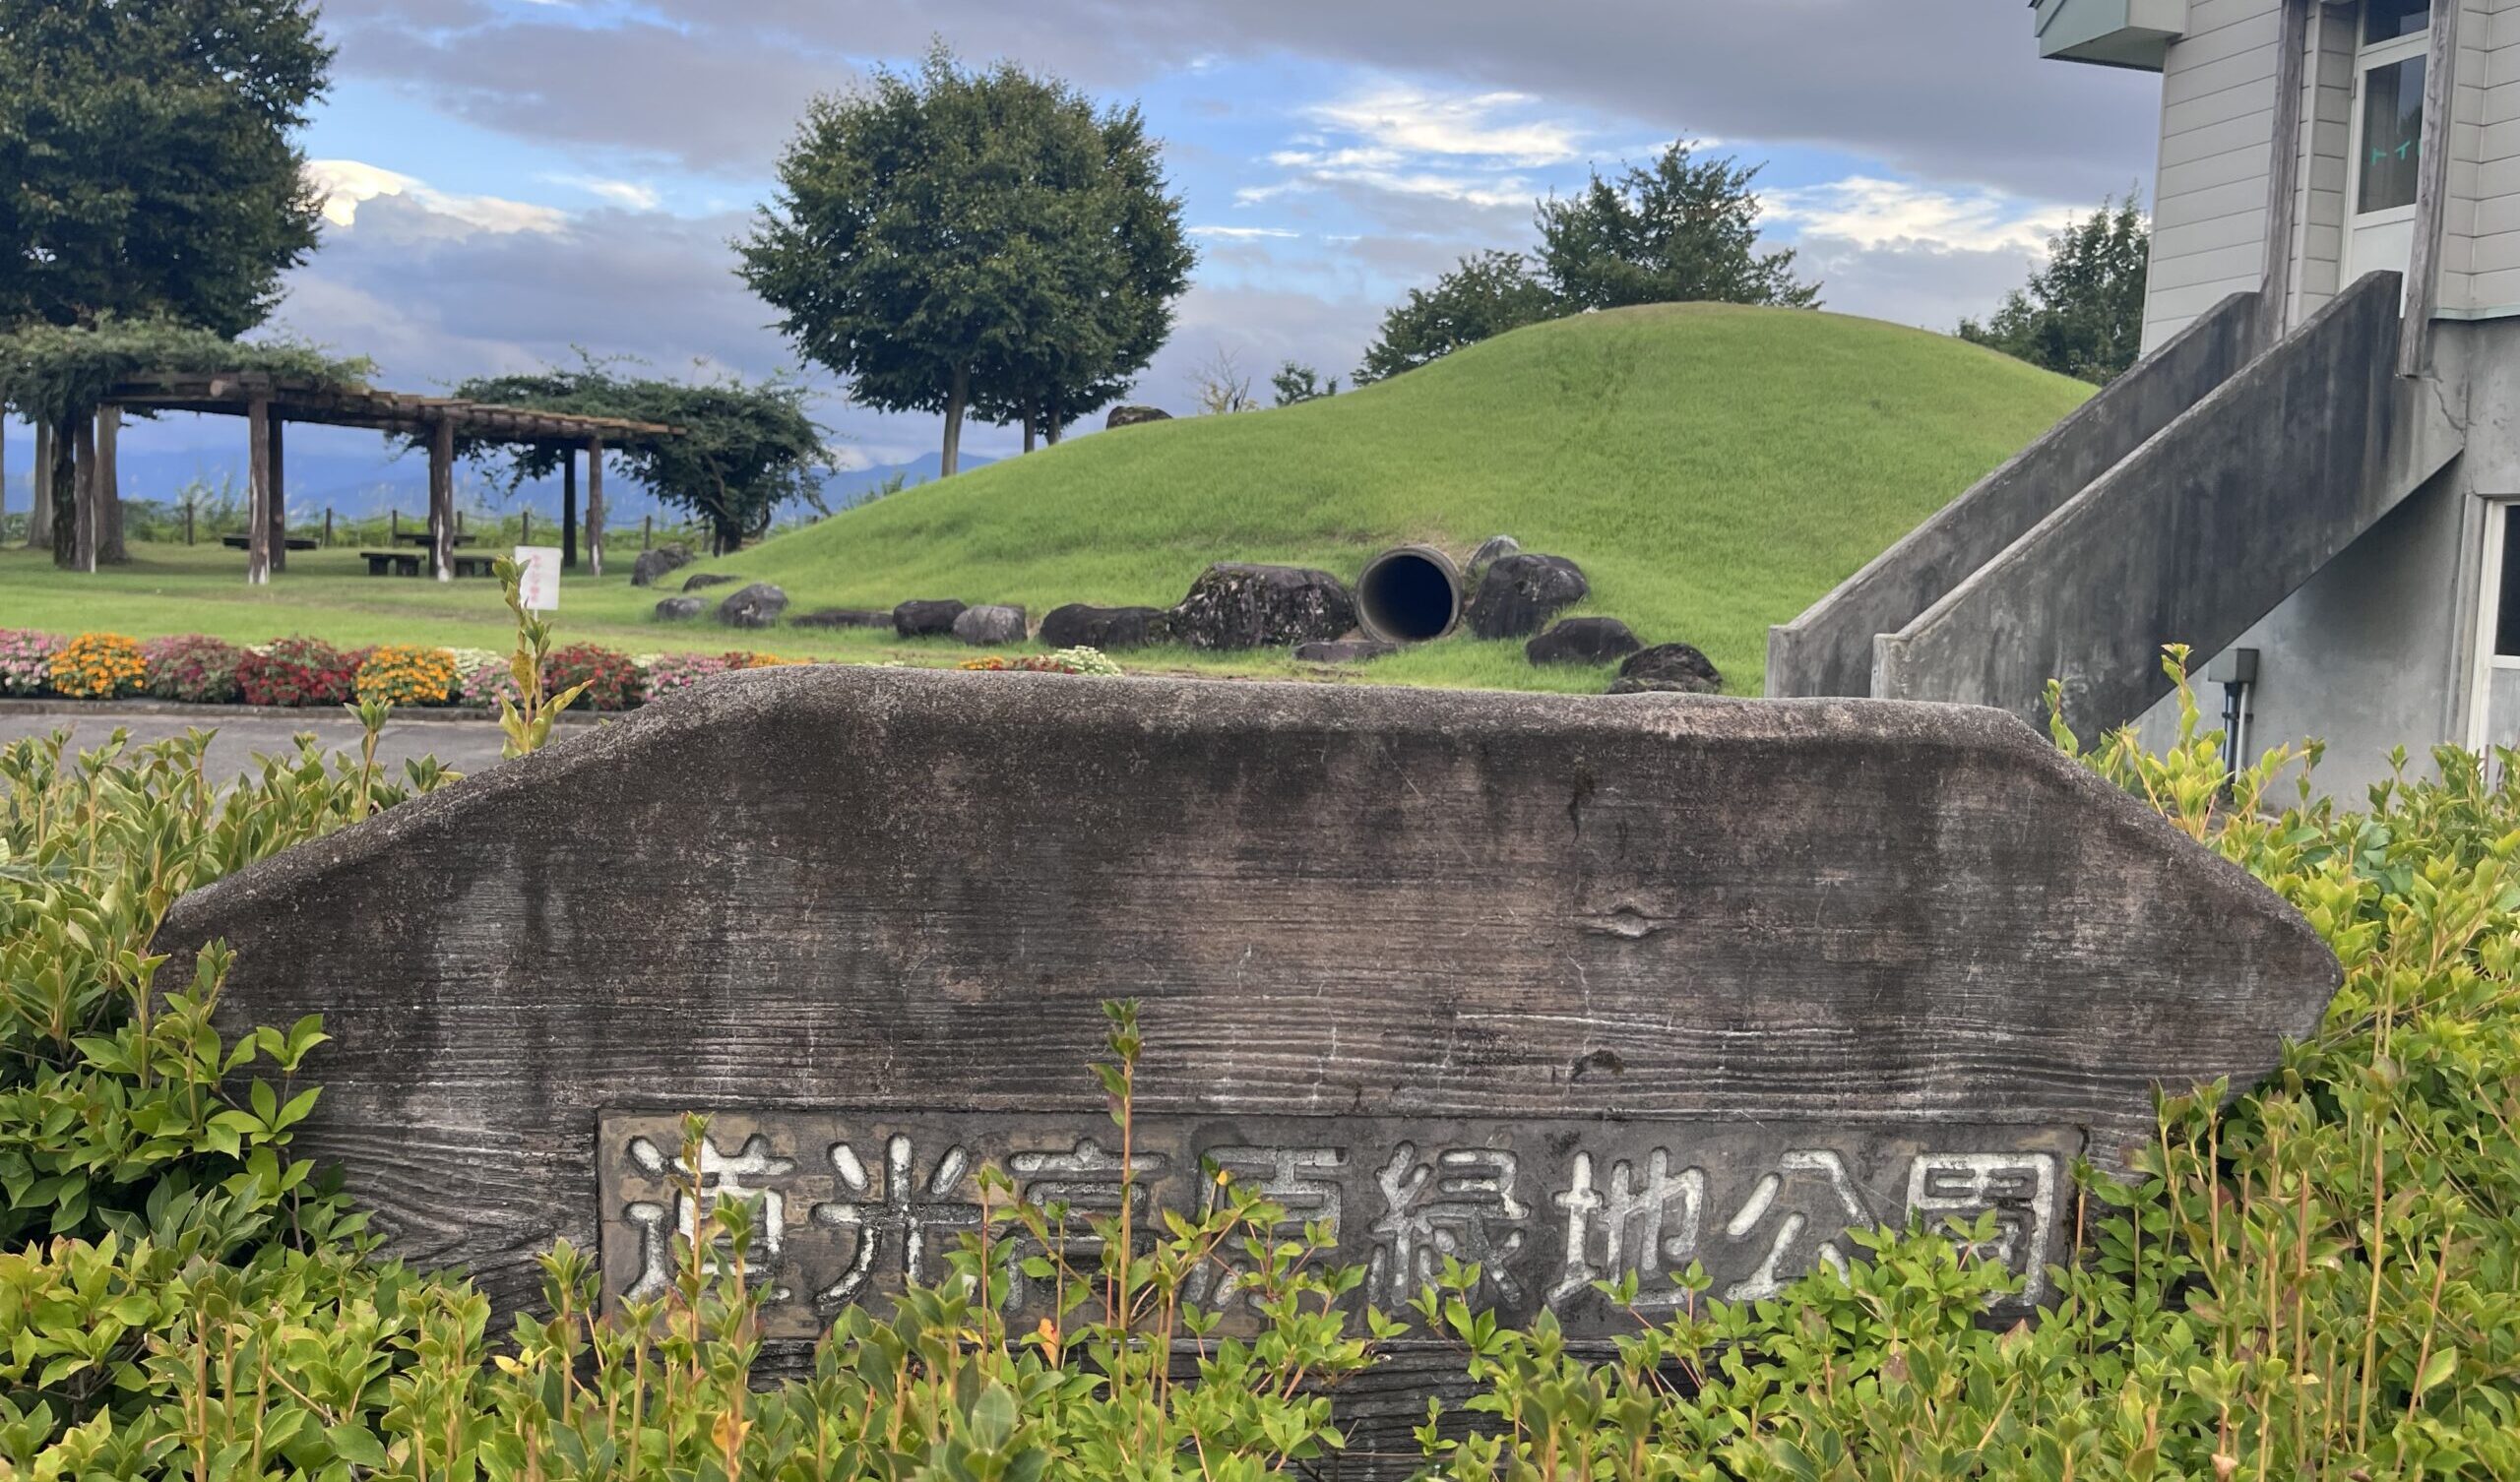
(595, 506)
(280, 495)
(569, 509)
(258, 503)
(2283, 172)
(2431, 192)
(442, 497)
(82, 465)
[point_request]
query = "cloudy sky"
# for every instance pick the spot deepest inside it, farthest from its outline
(511, 178)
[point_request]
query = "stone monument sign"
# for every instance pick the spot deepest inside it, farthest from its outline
(1572, 987)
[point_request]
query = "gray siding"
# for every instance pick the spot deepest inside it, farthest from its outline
(2327, 138)
(2208, 195)
(2481, 226)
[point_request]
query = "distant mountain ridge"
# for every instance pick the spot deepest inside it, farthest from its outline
(356, 485)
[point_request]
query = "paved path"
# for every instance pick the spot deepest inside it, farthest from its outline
(461, 745)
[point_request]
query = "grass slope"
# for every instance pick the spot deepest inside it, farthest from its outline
(1714, 469)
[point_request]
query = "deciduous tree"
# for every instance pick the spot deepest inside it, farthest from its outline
(962, 243)
(1484, 295)
(2082, 314)
(1678, 230)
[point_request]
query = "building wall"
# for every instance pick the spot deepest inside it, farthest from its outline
(2327, 137)
(2481, 219)
(2209, 193)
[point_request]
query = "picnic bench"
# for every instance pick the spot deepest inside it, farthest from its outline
(246, 542)
(421, 538)
(411, 563)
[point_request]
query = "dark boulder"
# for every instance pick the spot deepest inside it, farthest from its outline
(1130, 416)
(989, 625)
(679, 609)
(1582, 641)
(655, 562)
(1519, 594)
(1237, 605)
(1668, 668)
(709, 578)
(926, 617)
(756, 606)
(1347, 650)
(842, 617)
(1080, 625)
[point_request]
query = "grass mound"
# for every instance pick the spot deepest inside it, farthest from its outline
(1713, 468)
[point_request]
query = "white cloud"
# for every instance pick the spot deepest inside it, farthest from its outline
(1245, 233)
(346, 184)
(1414, 121)
(625, 193)
(1874, 212)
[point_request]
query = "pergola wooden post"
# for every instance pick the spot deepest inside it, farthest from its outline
(83, 467)
(569, 508)
(595, 506)
(258, 503)
(110, 549)
(39, 512)
(442, 497)
(279, 511)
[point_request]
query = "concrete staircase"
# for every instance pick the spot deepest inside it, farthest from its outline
(2179, 505)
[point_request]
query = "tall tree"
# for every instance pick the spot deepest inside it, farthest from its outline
(148, 160)
(1678, 230)
(149, 168)
(1484, 295)
(961, 242)
(2082, 314)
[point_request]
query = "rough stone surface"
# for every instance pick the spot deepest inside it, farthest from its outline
(924, 617)
(1490, 551)
(1130, 416)
(1672, 669)
(842, 617)
(1237, 605)
(1582, 641)
(1111, 628)
(989, 625)
(756, 606)
(656, 561)
(709, 578)
(1519, 594)
(681, 609)
(1346, 651)
(1811, 964)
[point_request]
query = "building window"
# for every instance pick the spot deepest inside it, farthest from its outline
(2506, 616)
(2392, 130)
(2388, 20)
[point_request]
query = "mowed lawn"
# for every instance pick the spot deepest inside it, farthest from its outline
(1713, 468)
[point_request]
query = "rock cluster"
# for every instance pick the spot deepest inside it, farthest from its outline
(1668, 668)
(926, 617)
(659, 560)
(989, 626)
(756, 606)
(1080, 625)
(1582, 641)
(1238, 605)
(1517, 594)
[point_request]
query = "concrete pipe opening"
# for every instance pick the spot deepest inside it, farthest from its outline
(1409, 595)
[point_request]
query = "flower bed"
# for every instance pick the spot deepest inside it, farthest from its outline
(302, 672)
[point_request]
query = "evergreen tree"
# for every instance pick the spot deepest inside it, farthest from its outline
(972, 243)
(2082, 314)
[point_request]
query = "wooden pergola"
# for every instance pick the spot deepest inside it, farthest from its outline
(269, 404)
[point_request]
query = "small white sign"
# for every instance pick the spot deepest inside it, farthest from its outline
(538, 577)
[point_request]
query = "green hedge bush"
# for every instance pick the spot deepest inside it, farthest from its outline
(2321, 1278)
